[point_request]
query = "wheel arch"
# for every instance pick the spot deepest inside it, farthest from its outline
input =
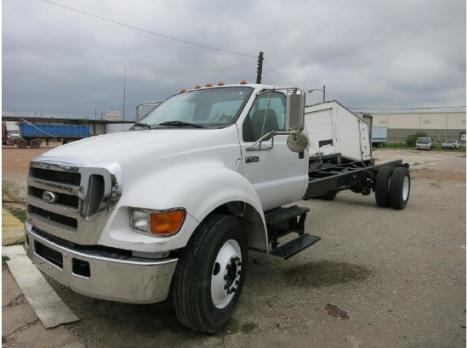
(252, 219)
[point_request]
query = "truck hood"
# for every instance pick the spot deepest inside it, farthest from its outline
(133, 147)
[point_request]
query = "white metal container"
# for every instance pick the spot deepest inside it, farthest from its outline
(117, 127)
(333, 129)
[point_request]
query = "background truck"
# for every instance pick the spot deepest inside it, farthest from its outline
(10, 133)
(379, 136)
(171, 208)
(34, 134)
(424, 143)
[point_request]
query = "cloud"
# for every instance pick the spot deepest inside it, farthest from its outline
(368, 53)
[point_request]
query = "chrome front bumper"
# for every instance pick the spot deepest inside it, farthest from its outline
(122, 279)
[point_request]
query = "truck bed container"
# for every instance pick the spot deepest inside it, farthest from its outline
(334, 129)
(53, 131)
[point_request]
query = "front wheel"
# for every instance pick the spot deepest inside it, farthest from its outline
(210, 275)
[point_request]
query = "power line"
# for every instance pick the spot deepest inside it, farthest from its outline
(166, 37)
(277, 72)
(407, 107)
(162, 36)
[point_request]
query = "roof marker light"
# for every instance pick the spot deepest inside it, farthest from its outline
(208, 85)
(220, 83)
(243, 82)
(182, 91)
(197, 87)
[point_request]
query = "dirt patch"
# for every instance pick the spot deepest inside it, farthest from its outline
(15, 162)
(336, 312)
(325, 273)
(438, 175)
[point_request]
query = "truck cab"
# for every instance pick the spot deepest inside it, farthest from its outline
(112, 216)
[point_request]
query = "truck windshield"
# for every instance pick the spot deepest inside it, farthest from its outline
(205, 108)
(422, 140)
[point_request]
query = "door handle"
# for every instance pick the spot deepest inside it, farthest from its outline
(252, 159)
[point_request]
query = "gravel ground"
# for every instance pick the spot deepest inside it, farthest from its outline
(378, 278)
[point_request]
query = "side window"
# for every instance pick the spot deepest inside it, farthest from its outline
(267, 114)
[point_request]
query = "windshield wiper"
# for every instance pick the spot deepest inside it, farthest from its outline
(180, 124)
(140, 124)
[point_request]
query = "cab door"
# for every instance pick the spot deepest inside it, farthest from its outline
(278, 175)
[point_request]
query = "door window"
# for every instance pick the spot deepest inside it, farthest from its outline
(267, 114)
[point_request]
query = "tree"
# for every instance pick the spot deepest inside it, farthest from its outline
(411, 139)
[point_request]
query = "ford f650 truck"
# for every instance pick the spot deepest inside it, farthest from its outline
(171, 208)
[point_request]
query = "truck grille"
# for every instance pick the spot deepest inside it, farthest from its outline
(53, 217)
(62, 198)
(68, 202)
(53, 175)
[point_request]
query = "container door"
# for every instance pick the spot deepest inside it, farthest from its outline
(320, 130)
(365, 141)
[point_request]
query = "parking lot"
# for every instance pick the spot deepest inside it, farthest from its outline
(378, 277)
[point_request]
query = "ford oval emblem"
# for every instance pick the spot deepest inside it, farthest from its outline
(49, 197)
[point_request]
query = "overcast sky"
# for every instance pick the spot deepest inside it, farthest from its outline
(396, 53)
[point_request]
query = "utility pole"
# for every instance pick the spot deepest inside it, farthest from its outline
(124, 91)
(259, 67)
(323, 93)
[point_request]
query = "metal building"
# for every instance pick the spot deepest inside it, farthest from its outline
(438, 125)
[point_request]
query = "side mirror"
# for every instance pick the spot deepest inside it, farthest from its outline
(295, 101)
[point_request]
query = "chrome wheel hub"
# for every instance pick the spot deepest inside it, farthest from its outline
(225, 274)
(405, 191)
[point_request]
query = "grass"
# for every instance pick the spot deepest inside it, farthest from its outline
(19, 213)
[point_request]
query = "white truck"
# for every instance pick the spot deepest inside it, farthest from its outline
(171, 208)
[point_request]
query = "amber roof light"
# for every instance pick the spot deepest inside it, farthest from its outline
(243, 82)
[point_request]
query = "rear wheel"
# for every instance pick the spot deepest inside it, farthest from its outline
(400, 187)
(36, 143)
(209, 277)
(382, 186)
(21, 143)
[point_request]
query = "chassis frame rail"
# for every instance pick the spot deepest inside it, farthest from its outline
(356, 176)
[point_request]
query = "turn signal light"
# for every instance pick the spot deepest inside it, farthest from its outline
(243, 82)
(166, 223)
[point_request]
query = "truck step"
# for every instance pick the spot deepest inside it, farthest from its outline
(282, 214)
(295, 246)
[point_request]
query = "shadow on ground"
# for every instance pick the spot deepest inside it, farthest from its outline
(151, 323)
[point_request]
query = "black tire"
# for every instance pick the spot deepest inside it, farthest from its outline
(36, 143)
(191, 286)
(330, 196)
(400, 188)
(381, 189)
(21, 144)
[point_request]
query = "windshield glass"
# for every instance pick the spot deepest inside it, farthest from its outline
(422, 140)
(212, 107)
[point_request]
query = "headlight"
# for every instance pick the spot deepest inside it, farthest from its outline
(139, 219)
(157, 223)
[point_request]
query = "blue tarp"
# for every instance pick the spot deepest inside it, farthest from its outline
(53, 131)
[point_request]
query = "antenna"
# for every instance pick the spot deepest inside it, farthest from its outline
(124, 91)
